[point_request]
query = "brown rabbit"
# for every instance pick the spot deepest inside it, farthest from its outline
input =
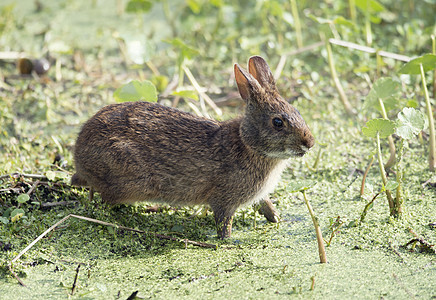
(140, 151)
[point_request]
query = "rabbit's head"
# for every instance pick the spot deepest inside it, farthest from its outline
(271, 126)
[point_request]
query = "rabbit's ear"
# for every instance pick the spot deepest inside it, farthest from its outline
(260, 70)
(247, 85)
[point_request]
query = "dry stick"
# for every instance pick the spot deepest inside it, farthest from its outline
(17, 175)
(370, 50)
(320, 240)
(73, 289)
(284, 56)
(160, 236)
(365, 210)
(421, 240)
(337, 82)
(30, 191)
(199, 90)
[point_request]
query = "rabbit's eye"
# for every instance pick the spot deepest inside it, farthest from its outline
(277, 122)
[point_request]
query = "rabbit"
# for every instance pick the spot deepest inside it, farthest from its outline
(141, 151)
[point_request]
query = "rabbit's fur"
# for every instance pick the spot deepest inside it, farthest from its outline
(140, 151)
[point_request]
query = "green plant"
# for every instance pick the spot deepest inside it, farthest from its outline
(302, 186)
(409, 123)
(419, 66)
(383, 97)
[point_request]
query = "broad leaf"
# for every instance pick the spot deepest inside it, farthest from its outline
(383, 88)
(51, 175)
(299, 186)
(186, 94)
(16, 214)
(138, 6)
(187, 51)
(384, 127)
(410, 123)
(136, 91)
(428, 62)
(23, 198)
(372, 5)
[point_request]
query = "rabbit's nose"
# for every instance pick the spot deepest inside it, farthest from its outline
(308, 140)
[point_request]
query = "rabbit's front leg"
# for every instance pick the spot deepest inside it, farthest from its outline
(223, 221)
(268, 210)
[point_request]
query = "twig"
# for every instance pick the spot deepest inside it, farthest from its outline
(133, 295)
(60, 203)
(157, 235)
(319, 239)
(421, 240)
(200, 91)
(365, 210)
(395, 251)
(16, 277)
(284, 57)
(73, 289)
(370, 50)
(161, 236)
(30, 191)
(17, 175)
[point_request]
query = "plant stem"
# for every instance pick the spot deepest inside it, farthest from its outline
(383, 176)
(368, 25)
(391, 160)
(318, 158)
(338, 84)
(399, 195)
(297, 23)
(320, 240)
(362, 187)
(433, 42)
(352, 6)
(432, 150)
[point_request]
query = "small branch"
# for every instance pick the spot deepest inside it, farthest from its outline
(200, 91)
(160, 236)
(337, 82)
(73, 289)
(370, 50)
(320, 240)
(60, 203)
(30, 191)
(18, 175)
(365, 210)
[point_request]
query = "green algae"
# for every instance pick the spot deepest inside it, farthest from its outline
(261, 260)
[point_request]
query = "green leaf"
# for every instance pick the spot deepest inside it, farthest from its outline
(194, 5)
(4, 220)
(23, 198)
(299, 186)
(187, 51)
(384, 127)
(410, 123)
(342, 21)
(16, 214)
(51, 175)
(428, 62)
(136, 91)
(390, 186)
(138, 6)
(371, 5)
(186, 94)
(382, 89)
